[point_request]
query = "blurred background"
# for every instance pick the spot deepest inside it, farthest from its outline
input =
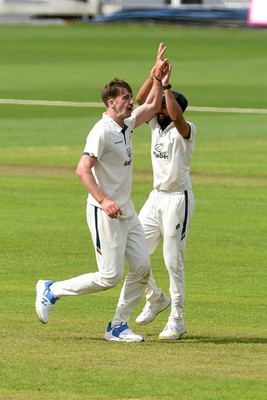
(233, 12)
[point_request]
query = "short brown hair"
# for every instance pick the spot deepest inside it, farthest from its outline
(113, 89)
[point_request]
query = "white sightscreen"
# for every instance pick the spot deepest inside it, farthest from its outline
(258, 12)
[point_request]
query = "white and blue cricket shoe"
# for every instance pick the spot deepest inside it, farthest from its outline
(44, 300)
(122, 333)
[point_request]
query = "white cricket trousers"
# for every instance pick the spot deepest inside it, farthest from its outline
(114, 240)
(167, 216)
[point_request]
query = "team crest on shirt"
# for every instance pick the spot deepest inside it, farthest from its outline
(129, 154)
(159, 153)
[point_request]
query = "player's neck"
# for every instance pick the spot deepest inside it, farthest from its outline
(117, 118)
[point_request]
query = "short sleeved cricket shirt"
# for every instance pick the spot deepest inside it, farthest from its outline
(171, 155)
(112, 146)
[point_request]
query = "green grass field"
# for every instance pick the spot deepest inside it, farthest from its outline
(44, 232)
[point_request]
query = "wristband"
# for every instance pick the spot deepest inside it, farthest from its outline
(157, 78)
(167, 87)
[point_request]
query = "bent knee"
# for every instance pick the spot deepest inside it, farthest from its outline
(144, 271)
(111, 281)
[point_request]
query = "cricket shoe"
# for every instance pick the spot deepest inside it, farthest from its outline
(171, 332)
(122, 333)
(151, 310)
(44, 300)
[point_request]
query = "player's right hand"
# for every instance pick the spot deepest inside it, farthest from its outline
(111, 208)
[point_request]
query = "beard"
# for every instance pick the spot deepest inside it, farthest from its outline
(163, 121)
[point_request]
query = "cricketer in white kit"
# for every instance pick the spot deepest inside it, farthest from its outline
(105, 170)
(168, 211)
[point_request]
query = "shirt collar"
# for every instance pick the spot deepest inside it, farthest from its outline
(113, 123)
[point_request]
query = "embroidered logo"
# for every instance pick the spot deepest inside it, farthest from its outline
(129, 154)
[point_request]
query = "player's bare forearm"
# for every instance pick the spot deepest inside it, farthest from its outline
(147, 85)
(84, 171)
(166, 74)
(153, 100)
(144, 90)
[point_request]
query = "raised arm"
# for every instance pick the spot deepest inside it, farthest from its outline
(153, 101)
(174, 110)
(145, 88)
(147, 85)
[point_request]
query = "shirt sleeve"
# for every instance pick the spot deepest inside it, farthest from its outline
(95, 143)
(192, 132)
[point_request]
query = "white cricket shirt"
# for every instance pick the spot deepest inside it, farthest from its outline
(113, 170)
(171, 155)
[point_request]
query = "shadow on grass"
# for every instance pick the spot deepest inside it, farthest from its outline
(189, 339)
(223, 340)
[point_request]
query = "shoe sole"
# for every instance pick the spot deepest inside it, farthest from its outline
(115, 339)
(39, 283)
(142, 323)
(172, 339)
